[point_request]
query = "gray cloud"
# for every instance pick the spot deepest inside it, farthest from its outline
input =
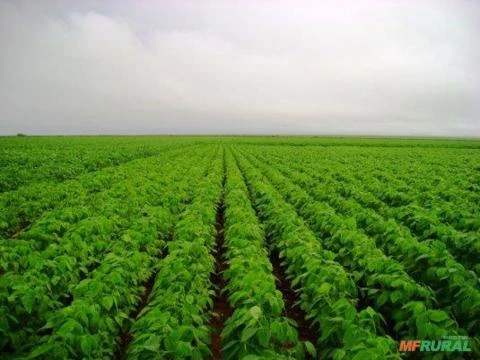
(370, 67)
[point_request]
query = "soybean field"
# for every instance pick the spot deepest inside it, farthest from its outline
(191, 247)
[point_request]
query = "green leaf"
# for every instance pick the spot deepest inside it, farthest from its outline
(152, 343)
(382, 299)
(40, 350)
(68, 328)
(183, 349)
(339, 354)
(263, 337)
(395, 296)
(87, 344)
(364, 354)
(437, 315)
(423, 256)
(27, 301)
(310, 348)
(247, 333)
(251, 357)
(107, 302)
(324, 288)
(255, 312)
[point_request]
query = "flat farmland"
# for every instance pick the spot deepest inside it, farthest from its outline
(164, 247)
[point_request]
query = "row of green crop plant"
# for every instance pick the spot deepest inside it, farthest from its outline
(408, 306)
(431, 171)
(101, 303)
(427, 178)
(327, 293)
(35, 161)
(384, 200)
(90, 325)
(256, 327)
(52, 225)
(426, 223)
(44, 284)
(456, 288)
(441, 194)
(21, 208)
(355, 143)
(174, 324)
(436, 221)
(433, 188)
(438, 176)
(436, 180)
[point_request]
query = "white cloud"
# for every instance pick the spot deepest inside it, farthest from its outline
(103, 67)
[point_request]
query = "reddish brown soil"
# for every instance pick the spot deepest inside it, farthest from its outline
(125, 336)
(221, 308)
(305, 331)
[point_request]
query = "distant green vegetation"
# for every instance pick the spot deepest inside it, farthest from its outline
(144, 247)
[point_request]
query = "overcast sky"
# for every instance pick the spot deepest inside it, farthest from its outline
(332, 67)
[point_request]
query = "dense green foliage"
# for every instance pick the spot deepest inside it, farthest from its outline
(108, 246)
